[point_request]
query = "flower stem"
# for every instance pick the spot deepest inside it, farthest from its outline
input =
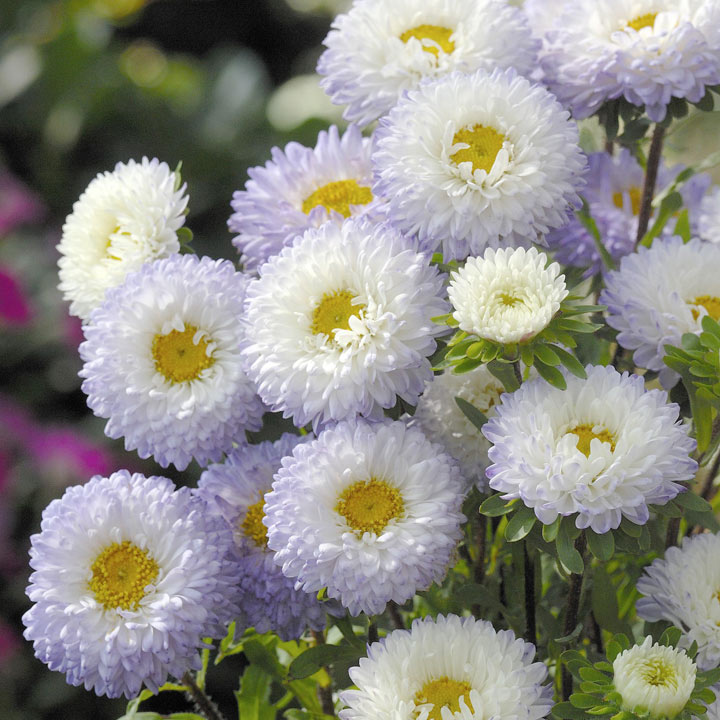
(530, 628)
(372, 632)
(651, 171)
(395, 615)
(203, 704)
(479, 570)
(324, 692)
(518, 373)
(571, 612)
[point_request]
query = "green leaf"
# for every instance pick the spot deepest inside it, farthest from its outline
(495, 506)
(254, 693)
(551, 374)
(593, 675)
(546, 354)
(466, 366)
(580, 700)
(604, 602)
(693, 502)
(570, 362)
(185, 236)
(567, 639)
(591, 226)
(682, 226)
(317, 657)
(477, 418)
(505, 373)
(567, 554)
(475, 350)
(706, 103)
(577, 326)
(520, 524)
(669, 205)
(346, 628)
(566, 711)
(602, 546)
(259, 654)
(671, 637)
(630, 528)
(550, 532)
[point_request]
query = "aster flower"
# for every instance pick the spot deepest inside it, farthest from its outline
(340, 323)
(123, 219)
(162, 361)
(602, 449)
(130, 576)
(448, 668)
(236, 490)
(654, 679)
(660, 293)
(682, 587)
(508, 295)
(439, 417)
(709, 222)
(376, 52)
(647, 51)
(302, 188)
(370, 511)
(469, 161)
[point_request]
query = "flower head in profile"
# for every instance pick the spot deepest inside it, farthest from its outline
(603, 449)
(130, 575)
(370, 511)
(124, 219)
(163, 363)
(377, 51)
(470, 161)
(450, 668)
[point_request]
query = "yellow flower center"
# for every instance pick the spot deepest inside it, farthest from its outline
(659, 673)
(444, 692)
(586, 436)
(642, 21)
(369, 505)
(710, 302)
(120, 574)
(509, 300)
(333, 313)
(485, 143)
(437, 33)
(253, 526)
(338, 196)
(178, 358)
(635, 194)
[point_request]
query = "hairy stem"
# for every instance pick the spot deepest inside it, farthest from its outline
(202, 702)
(530, 629)
(651, 171)
(373, 632)
(571, 612)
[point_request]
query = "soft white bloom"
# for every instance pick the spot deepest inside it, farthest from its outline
(684, 588)
(655, 679)
(469, 161)
(370, 511)
(163, 363)
(604, 448)
(340, 323)
(508, 295)
(378, 50)
(659, 294)
(129, 576)
(709, 223)
(123, 219)
(448, 669)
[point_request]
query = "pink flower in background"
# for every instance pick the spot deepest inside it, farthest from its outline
(14, 304)
(17, 204)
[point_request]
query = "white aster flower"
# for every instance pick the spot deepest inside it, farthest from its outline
(340, 323)
(604, 448)
(370, 511)
(683, 587)
(469, 161)
(439, 417)
(448, 669)
(654, 679)
(647, 51)
(709, 222)
(163, 363)
(236, 490)
(660, 293)
(377, 51)
(130, 576)
(507, 296)
(123, 219)
(301, 188)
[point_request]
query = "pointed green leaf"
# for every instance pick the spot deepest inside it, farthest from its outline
(602, 546)
(551, 374)
(477, 418)
(495, 506)
(520, 524)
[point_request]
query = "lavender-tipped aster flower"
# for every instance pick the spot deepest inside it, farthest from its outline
(370, 511)
(603, 449)
(130, 575)
(235, 490)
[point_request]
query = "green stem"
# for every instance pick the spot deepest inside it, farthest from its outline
(372, 632)
(518, 373)
(651, 171)
(530, 628)
(571, 612)
(203, 704)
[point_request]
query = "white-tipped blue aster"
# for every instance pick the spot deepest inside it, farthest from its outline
(602, 449)
(130, 575)
(163, 364)
(302, 188)
(236, 490)
(340, 323)
(370, 511)
(470, 161)
(450, 668)
(660, 293)
(647, 51)
(377, 51)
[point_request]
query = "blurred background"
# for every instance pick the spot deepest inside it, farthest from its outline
(85, 84)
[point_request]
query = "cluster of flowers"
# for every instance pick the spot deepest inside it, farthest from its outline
(473, 162)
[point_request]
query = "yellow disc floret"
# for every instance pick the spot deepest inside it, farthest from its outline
(338, 196)
(485, 143)
(120, 574)
(437, 33)
(659, 673)
(333, 313)
(252, 525)
(444, 692)
(642, 21)
(586, 435)
(369, 505)
(178, 358)
(635, 195)
(710, 302)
